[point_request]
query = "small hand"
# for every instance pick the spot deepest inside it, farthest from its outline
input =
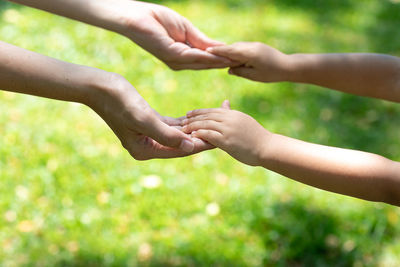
(234, 132)
(170, 37)
(141, 130)
(258, 62)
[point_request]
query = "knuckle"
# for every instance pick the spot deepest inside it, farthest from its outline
(196, 125)
(188, 128)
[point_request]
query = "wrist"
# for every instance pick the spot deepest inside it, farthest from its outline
(294, 67)
(122, 16)
(110, 93)
(94, 86)
(110, 14)
(264, 152)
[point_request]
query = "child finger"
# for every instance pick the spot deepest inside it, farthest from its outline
(213, 137)
(204, 124)
(229, 51)
(197, 112)
(198, 39)
(210, 116)
(226, 104)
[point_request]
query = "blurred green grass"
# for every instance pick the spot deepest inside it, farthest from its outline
(70, 196)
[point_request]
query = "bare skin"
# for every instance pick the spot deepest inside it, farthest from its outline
(371, 75)
(349, 172)
(354, 173)
(159, 30)
(141, 130)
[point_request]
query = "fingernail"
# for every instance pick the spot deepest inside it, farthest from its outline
(184, 128)
(189, 113)
(187, 146)
(209, 49)
(185, 121)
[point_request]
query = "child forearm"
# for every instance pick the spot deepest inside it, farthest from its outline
(371, 75)
(354, 173)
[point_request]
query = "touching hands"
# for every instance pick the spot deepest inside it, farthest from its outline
(141, 130)
(169, 36)
(234, 132)
(257, 61)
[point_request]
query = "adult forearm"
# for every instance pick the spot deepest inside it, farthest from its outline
(371, 75)
(101, 13)
(354, 173)
(27, 72)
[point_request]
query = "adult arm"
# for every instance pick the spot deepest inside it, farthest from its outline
(157, 29)
(141, 130)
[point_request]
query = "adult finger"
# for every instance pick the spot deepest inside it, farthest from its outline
(159, 151)
(234, 52)
(197, 112)
(173, 121)
(200, 66)
(195, 55)
(167, 135)
(218, 117)
(198, 39)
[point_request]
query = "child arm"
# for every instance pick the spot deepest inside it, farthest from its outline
(372, 75)
(349, 172)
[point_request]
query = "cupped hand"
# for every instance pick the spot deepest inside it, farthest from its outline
(141, 130)
(257, 61)
(170, 37)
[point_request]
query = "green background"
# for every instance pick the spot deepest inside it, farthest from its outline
(71, 196)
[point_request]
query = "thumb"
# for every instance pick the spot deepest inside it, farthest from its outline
(244, 72)
(168, 136)
(198, 39)
(232, 52)
(226, 104)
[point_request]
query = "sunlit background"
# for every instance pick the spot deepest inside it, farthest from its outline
(71, 196)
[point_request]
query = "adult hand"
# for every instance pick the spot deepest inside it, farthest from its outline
(169, 36)
(157, 29)
(141, 130)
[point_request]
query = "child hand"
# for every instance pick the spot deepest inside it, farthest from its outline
(258, 62)
(236, 133)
